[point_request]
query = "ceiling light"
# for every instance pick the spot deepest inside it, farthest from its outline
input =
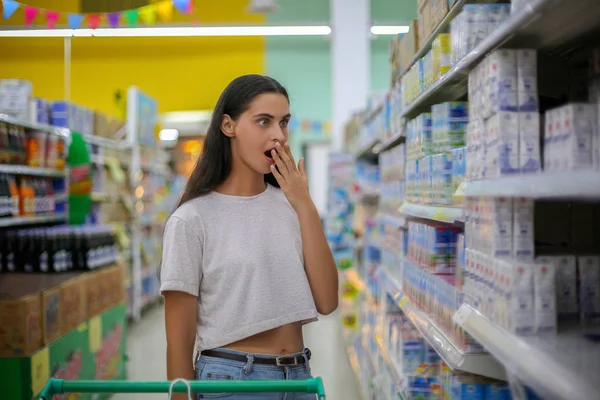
(389, 29)
(174, 31)
(168, 134)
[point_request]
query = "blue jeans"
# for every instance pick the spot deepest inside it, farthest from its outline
(211, 368)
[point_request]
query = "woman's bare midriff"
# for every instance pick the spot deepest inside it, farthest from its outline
(286, 339)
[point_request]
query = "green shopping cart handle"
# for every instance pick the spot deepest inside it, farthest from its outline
(59, 386)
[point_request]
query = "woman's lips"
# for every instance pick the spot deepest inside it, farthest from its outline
(268, 157)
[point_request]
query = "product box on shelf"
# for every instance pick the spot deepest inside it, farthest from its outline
(51, 314)
(424, 22)
(21, 322)
(73, 300)
(439, 9)
(589, 288)
(94, 350)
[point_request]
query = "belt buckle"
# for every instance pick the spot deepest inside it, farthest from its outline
(278, 361)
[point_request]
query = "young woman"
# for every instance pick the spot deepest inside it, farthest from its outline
(245, 260)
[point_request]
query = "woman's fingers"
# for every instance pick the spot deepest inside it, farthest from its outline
(277, 175)
(302, 168)
(288, 150)
(283, 169)
(285, 157)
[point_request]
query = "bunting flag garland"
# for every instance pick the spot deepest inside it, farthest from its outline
(165, 11)
(75, 20)
(9, 7)
(51, 18)
(131, 16)
(113, 19)
(93, 20)
(30, 14)
(148, 14)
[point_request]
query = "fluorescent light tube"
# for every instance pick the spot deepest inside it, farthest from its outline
(168, 134)
(174, 31)
(389, 30)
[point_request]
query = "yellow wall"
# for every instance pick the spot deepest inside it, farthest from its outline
(182, 73)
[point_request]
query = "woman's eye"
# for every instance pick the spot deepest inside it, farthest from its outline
(283, 124)
(263, 122)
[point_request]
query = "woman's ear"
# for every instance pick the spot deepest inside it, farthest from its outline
(228, 126)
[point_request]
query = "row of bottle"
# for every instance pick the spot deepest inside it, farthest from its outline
(26, 196)
(57, 249)
(33, 148)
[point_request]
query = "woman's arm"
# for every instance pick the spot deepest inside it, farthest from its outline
(180, 323)
(318, 260)
(319, 263)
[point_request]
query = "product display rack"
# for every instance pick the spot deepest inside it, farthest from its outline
(554, 365)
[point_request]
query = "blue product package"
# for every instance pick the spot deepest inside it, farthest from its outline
(467, 391)
(497, 391)
(458, 167)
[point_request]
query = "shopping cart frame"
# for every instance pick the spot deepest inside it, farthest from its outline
(60, 386)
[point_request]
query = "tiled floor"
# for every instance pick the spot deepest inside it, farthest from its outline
(147, 360)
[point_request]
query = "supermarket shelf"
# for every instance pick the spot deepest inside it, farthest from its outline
(479, 364)
(367, 151)
(107, 143)
(392, 220)
(442, 27)
(532, 27)
(391, 365)
(64, 132)
(33, 171)
(563, 366)
(389, 143)
(446, 214)
(39, 219)
(576, 184)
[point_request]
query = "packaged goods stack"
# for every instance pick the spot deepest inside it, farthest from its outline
(64, 288)
(480, 279)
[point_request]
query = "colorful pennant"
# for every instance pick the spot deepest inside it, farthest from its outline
(148, 14)
(131, 16)
(93, 20)
(51, 18)
(74, 20)
(30, 14)
(113, 19)
(165, 11)
(184, 6)
(9, 7)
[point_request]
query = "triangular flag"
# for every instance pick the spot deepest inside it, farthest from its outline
(131, 16)
(75, 20)
(165, 10)
(148, 14)
(9, 7)
(51, 18)
(93, 20)
(113, 19)
(30, 14)
(182, 5)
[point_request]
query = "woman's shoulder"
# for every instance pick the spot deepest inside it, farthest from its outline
(192, 211)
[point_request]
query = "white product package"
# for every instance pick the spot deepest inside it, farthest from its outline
(523, 235)
(502, 145)
(589, 288)
(501, 227)
(550, 159)
(501, 82)
(576, 133)
(527, 80)
(520, 299)
(544, 285)
(529, 142)
(567, 302)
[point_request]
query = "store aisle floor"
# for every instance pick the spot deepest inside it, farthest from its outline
(147, 359)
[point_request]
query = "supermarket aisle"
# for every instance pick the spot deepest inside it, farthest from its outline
(146, 349)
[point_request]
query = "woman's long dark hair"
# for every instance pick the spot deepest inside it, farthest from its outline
(214, 165)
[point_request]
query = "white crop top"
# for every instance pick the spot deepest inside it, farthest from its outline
(242, 257)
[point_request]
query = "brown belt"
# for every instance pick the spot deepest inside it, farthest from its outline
(281, 361)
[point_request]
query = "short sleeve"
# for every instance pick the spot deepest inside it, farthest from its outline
(181, 268)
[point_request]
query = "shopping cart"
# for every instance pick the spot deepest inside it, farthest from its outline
(60, 386)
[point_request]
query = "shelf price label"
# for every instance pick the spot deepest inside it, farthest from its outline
(40, 370)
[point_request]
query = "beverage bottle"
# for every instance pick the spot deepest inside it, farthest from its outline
(52, 248)
(7, 251)
(13, 145)
(5, 210)
(4, 144)
(50, 199)
(25, 251)
(22, 145)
